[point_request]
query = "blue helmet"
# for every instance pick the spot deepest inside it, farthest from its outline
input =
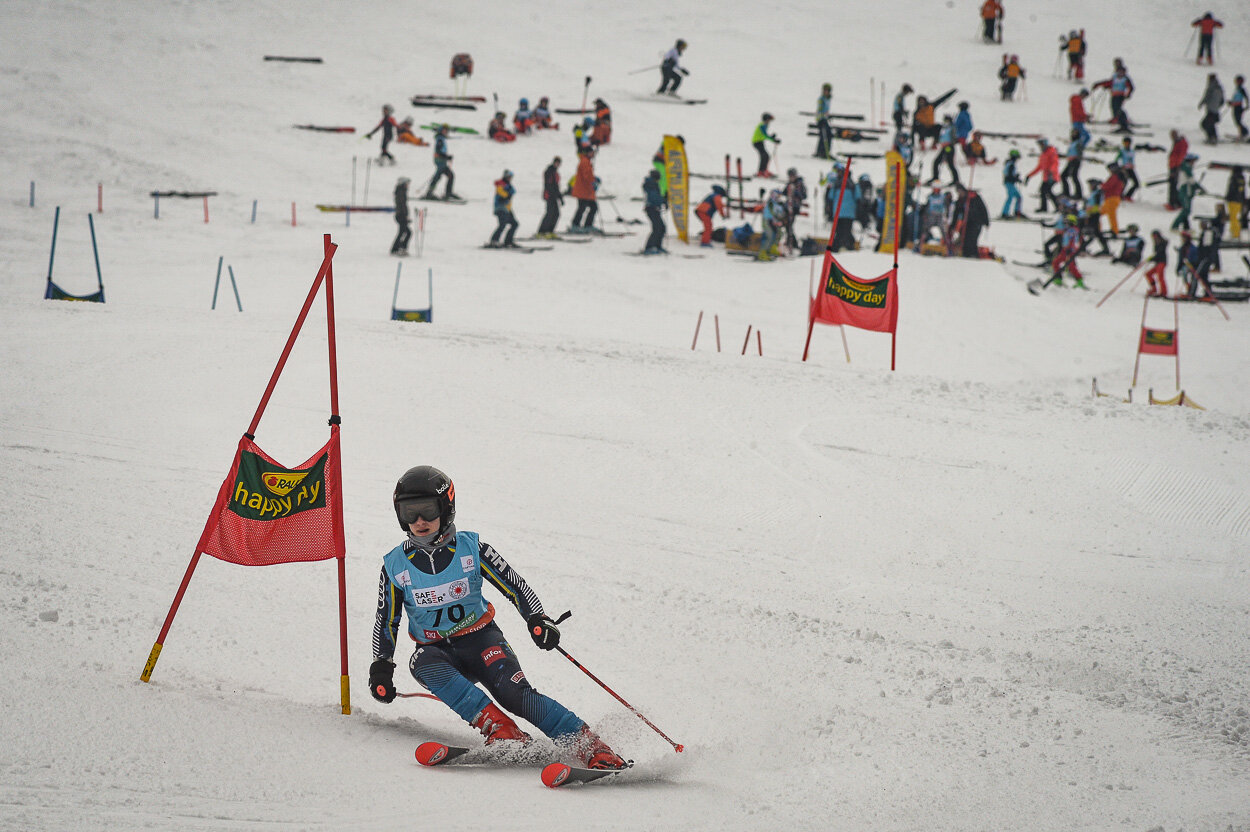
(525, 102)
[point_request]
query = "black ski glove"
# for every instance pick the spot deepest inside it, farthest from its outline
(382, 680)
(544, 631)
(685, 71)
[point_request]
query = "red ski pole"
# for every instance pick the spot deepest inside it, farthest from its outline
(676, 746)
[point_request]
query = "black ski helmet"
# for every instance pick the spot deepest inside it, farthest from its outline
(426, 483)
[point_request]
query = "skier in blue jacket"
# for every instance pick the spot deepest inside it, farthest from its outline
(435, 576)
(655, 203)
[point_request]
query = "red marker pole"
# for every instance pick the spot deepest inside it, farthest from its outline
(99, 198)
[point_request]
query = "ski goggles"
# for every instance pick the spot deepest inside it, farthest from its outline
(415, 508)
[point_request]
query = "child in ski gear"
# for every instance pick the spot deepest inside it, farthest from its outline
(404, 133)
(583, 135)
(1121, 88)
(757, 141)
(963, 125)
(541, 117)
(773, 220)
(1186, 188)
(900, 107)
(713, 203)
(1176, 156)
(507, 227)
(553, 198)
(1074, 47)
(671, 71)
(1213, 101)
(1048, 166)
(1112, 191)
(602, 133)
(1070, 177)
(1011, 178)
(583, 189)
(498, 129)
(1206, 25)
(523, 119)
(1068, 251)
(387, 125)
(442, 166)
(436, 577)
(902, 144)
(1237, 102)
(823, 130)
(655, 205)
(400, 246)
(844, 221)
(1091, 219)
(795, 192)
(1078, 116)
(991, 14)
(1126, 160)
(1011, 74)
(934, 219)
(1156, 275)
(1235, 199)
(974, 151)
(1205, 257)
(946, 152)
(1134, 248)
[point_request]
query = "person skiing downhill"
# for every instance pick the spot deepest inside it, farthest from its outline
(388, 127)
(435, 577)
(671, 70)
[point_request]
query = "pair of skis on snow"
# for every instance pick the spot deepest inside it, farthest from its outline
(554, 775)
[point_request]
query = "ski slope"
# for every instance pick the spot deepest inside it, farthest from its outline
(962, 595)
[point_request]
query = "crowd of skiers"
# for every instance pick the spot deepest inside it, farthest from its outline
(949, 219)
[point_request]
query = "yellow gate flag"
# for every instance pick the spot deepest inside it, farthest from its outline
(678, 184)
(894, 179)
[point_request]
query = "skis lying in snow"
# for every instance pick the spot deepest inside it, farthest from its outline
(561, 239)
(666, 98)
(442, 105)
(554, 775)
(454, 200)
(518, 249)
(321, 129)
(424, 97)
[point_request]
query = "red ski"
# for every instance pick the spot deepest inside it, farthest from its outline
(559, 774)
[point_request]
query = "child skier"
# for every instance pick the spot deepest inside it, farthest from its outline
(387, 125)
(823, 131)
(671, 71)
(1212, 101)
(442, 166)
(773, 219)
(523, 118)
(655, 204)
(553, 199)
(1133, 249)
(1121, 88)
(1048, 166)
(1070, 177)
(757, 141)
(583, 188)
(1077, 114)
(1074, 47)
(1011, 74)
(1206, 25)
(400, 246)
(602, 133)
(713, 203)
(1011, 178)
(503, 213)
(436, 576)
(498, 129)
(1156, 275)
(1126, 159)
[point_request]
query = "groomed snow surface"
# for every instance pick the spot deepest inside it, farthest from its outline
(966, 595)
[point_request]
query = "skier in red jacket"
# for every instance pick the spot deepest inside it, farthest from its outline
(1048, 166)
(1207, 24)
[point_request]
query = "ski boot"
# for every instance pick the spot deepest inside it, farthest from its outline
(495, 725)
(595, 753)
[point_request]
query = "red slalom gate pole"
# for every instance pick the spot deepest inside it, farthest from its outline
(697, 324)
(205, 210)
(292, 214)
(678, 747)
(99, 198)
